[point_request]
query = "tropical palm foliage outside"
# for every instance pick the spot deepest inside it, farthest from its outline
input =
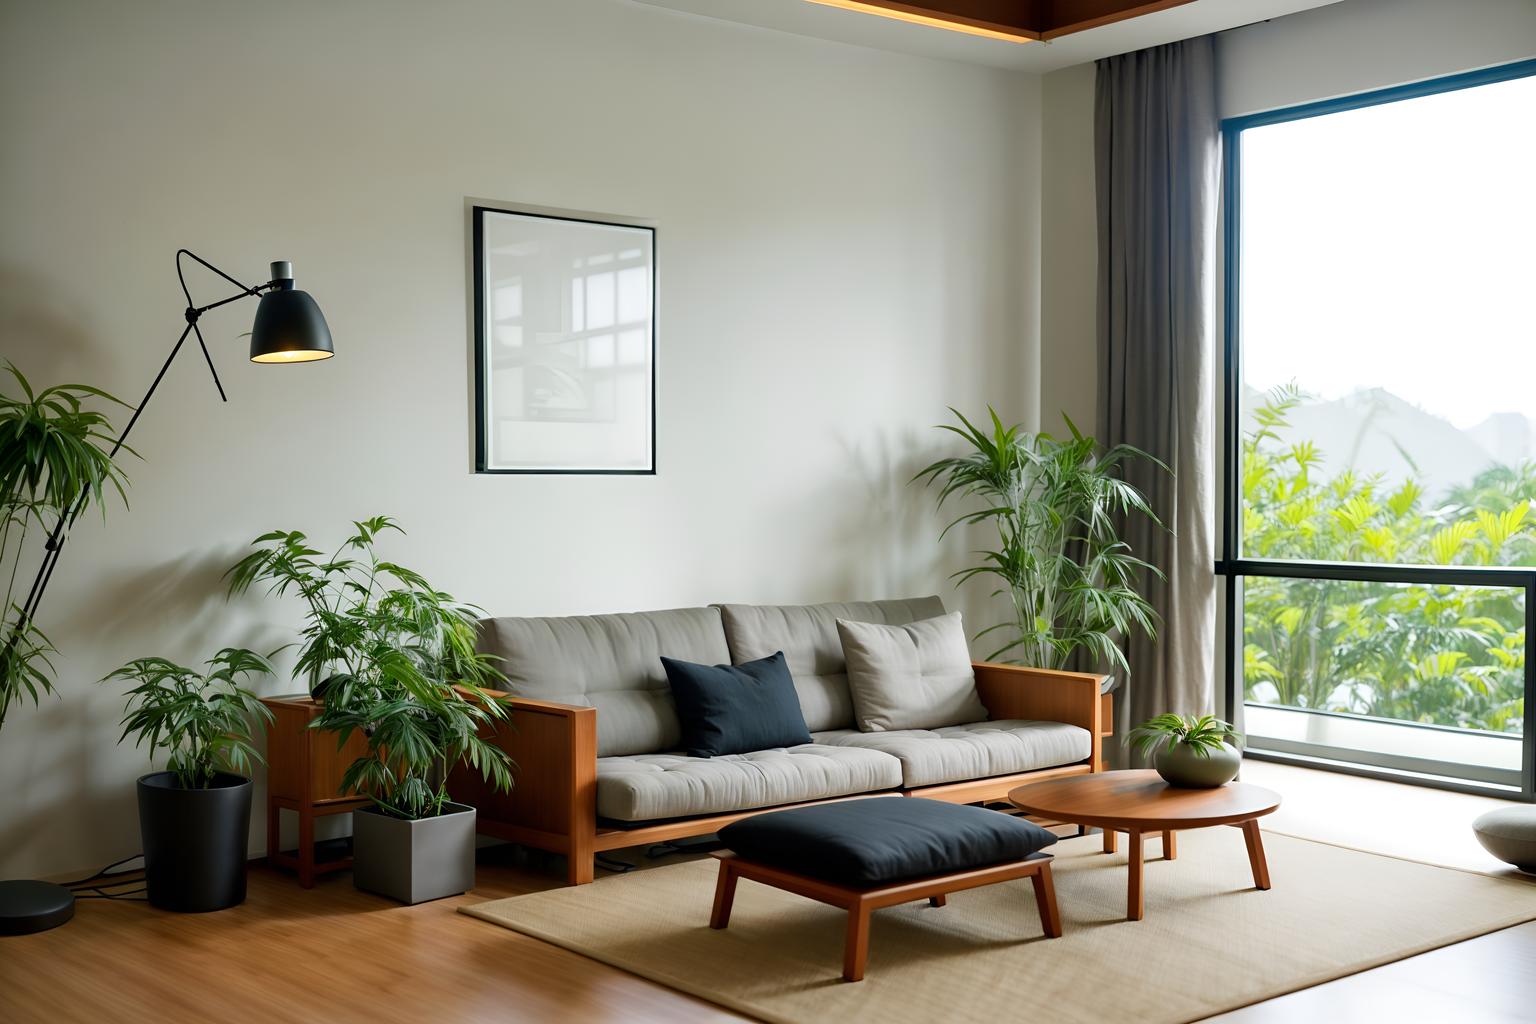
(1446, 655)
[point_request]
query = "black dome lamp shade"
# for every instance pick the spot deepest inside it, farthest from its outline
(289, 326)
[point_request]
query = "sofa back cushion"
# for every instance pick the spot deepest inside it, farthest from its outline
(807, 634)
(913, 676)
(611, 663)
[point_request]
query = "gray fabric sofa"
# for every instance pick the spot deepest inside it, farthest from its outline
(595, 736)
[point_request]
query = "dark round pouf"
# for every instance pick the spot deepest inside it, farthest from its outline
(27, 907)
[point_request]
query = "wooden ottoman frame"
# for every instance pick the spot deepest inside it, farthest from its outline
(860, 903)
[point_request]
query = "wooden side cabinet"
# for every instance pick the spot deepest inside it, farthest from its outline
(304, 771)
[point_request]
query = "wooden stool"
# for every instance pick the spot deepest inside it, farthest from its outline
(860, 903)
(304, 771)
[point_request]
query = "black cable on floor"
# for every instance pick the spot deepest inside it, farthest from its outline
(97, 894)
(106, 872)
(688, 844)
(608, 863)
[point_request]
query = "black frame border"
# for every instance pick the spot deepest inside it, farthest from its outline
(477, 242)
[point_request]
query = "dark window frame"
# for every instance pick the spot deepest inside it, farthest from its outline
(1232, 565)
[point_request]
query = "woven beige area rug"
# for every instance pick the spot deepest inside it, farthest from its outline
(1209, 942)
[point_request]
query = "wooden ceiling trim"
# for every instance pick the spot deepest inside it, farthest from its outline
(1016, 21)
(1068, 16)
(996, 19)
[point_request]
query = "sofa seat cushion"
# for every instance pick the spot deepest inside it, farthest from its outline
(653, 786)
(959, 753)
(869, 843)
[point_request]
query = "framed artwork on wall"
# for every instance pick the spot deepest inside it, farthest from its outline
(565, 342)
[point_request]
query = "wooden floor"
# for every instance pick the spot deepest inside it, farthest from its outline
(334, 954)
(328, 954)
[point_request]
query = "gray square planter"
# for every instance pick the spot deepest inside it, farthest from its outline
(414, 861)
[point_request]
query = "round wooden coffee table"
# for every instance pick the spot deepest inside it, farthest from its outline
(1140, 803)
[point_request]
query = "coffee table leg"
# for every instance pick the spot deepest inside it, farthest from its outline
(725, 895)
(1109, 840)
(1133, 900)
(1170, 845)
(1045, 899)
(856, 948)
(1256, 853)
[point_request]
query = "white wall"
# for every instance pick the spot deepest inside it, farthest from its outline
(1360, 45)
(1344, 48)
(1069, 364)
(843, 233)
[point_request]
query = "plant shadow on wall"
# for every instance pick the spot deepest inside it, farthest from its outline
(1070, 580)
(42, 327)
(1436, 654)
(176, 598)
(883, 530)
(391, 657)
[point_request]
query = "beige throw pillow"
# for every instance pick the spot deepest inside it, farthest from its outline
(916, 676)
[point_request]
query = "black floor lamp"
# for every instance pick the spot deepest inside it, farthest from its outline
(288, 328)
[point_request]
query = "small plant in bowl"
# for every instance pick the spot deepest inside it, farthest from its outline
(1197, 752)
(195, 816)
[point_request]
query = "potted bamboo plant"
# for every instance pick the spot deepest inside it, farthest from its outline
(1069, 577)
(415, 843)
(195, 816)
(400, 666)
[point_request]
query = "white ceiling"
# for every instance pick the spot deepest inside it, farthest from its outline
(808, 19)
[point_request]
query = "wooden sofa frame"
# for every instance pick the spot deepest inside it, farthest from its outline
(553, 806)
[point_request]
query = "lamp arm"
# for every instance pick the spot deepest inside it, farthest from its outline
(192, 315)
(54, 545)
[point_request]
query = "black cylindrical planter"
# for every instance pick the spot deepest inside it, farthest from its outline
(195, 841)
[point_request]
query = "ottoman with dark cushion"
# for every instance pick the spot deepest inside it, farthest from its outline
(862, 855)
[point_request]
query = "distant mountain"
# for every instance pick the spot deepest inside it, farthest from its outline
(1508, 436)
(1374, 431)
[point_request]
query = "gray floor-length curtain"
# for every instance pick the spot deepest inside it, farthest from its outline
(1158, 145)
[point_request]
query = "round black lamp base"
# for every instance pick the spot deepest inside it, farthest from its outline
(27, 907)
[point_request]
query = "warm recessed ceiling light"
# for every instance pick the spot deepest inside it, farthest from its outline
(916, 16)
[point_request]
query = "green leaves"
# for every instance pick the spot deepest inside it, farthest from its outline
(53, 449)
(202, 720)
(1203, 734)
(410, 678)
(1055, 505)
(54, 460)
(1424, 653)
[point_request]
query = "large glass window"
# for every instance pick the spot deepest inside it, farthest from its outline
(1380, 526)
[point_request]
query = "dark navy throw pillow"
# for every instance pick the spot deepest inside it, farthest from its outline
(736, 709)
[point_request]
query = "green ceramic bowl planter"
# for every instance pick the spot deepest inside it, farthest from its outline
(1198, 752)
